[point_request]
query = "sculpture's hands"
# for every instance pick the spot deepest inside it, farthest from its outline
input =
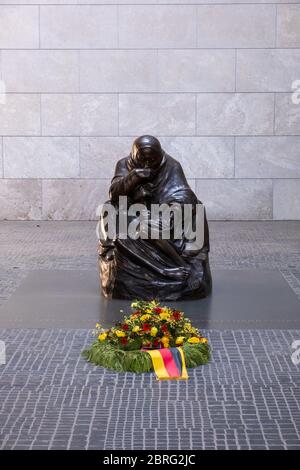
(142, 173)
(142, 192)
(127, 185)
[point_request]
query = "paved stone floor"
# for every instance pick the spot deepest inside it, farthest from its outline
(247, 397)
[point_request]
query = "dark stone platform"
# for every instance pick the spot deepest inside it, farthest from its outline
(241, 299)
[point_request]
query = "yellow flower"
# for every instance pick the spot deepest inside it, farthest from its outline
(187, 327)
(98, 325)
(153, 331)
(165, 341)
(134, 304)
(102, 337)
(203, 340)
(165, 314)
(135, 329)
(120, 333)
(194, 340)
(179, 340)
(145, 317)
(148, 310)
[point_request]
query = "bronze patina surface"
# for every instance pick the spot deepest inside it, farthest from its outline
(147, 268)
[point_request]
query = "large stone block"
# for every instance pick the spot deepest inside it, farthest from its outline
(20, 114)
(267, 157)
(80, 26)
(202, 157)
(160, 26)
(73, 199)
(235, 199)
(99, 155)
(164, 114)
(118, 71)
(41, 157)
(288, 26)
(287, 199)
(236, 26)
(287, 114)
(196, 70)
(19, 26)
(40, 71)
(79, 114)
(20, 199)
(267, 69)
(235, 113)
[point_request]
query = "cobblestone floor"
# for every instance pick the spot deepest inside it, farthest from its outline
(247, 397)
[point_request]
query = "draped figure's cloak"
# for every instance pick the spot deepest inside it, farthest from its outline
(141, 268)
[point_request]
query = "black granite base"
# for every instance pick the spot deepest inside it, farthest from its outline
(241, 299)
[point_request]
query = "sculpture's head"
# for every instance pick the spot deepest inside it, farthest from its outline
(147, 152)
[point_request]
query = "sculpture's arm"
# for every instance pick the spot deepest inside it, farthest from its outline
(126, 185)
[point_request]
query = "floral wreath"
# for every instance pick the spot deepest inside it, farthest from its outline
(150, 326)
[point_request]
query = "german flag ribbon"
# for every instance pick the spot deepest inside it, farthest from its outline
(169, 363)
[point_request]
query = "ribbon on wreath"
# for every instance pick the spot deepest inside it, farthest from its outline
(169, 363)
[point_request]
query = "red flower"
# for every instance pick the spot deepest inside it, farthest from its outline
(125, 327)
(177, 315)
(164, 328)
(156, 343)
(146, 327)
(158, 309)
(124, 341)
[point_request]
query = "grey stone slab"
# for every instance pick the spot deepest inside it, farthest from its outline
(287, 113)
(286, 199)
(37, 71)
(236, 26)
(79, 114)
(288, 25)
(164, 114)
(118, 71)
(236, 199)
(41, 157)
(241, 299)
(20, 199)
(99, 155)
(163, 26)
(19, 26)
(202, 157)
(20, 114)
(267, 157)
(267, 69)
(80, 26)
(235, 113)
(73, 199)
(192, 70)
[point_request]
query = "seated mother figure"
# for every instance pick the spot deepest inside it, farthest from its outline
(147, 268)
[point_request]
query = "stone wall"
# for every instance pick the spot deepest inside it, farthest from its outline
(213, 79)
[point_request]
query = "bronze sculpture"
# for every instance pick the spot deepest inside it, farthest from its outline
(148, 268)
